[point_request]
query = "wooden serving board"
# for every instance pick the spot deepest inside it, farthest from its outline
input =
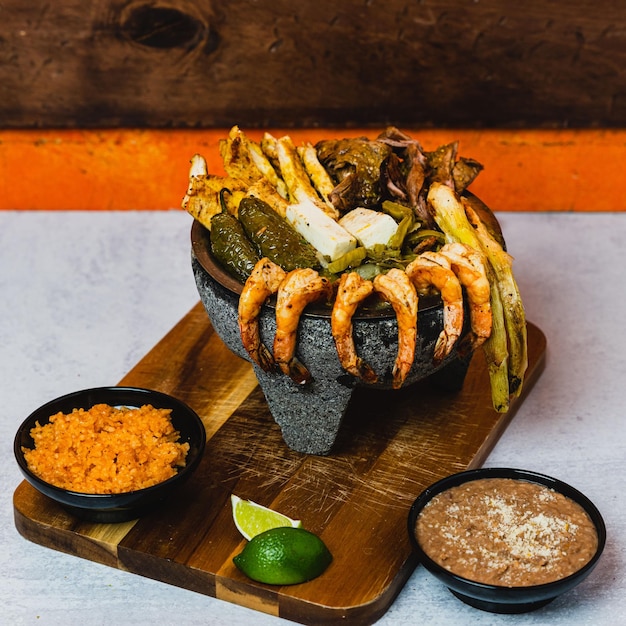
(393, 445)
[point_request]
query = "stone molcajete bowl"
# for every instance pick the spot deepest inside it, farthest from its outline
(310, 415)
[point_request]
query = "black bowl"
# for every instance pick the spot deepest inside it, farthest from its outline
(495, 598)
(120, 507)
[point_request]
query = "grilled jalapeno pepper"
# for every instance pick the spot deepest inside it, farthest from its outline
(230, 244)
(274, 236)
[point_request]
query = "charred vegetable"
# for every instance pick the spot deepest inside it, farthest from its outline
(274, 236)
(230, 244)
(464, 172)
(405, 218)
(202, 199)
(297, 179)
(486, 216)
(506, 348)
(355, 164)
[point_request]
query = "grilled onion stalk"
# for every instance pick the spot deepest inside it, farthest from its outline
(506, 349)
(515, 317)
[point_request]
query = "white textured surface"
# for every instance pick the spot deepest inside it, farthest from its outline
(85, 295)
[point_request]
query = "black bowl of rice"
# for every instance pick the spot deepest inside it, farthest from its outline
(110, 454)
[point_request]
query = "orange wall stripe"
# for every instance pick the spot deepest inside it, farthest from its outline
(529, 170)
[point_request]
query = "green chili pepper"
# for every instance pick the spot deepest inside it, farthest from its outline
(397, 211)
(274, 236)
(230, 244)
(406, 218)
(354, 258)
(413, 238)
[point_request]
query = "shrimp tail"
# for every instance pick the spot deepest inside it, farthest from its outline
(467, 344)
(253, 345)
(365, 372)
(449, 336)
(399, 373)
(263, 357)
(442, 348)
(297, 371)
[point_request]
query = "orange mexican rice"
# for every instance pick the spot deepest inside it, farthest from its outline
(106, 449)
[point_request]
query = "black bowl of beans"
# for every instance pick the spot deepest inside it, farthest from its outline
(110, 454)
(506, 540)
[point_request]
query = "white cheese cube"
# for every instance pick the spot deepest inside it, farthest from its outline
(320, 230)
(369, 227)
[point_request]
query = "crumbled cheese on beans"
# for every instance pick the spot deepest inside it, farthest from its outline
(506, 532)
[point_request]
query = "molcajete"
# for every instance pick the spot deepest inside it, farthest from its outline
(310, 415)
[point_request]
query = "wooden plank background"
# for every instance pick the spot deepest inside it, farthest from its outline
(205, 63)
(114, 96)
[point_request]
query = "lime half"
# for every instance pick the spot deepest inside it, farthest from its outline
(252, 519)
(284, 556)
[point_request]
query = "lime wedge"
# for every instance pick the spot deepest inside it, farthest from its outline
(252, 519)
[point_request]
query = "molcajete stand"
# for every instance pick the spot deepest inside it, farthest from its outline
(310, 415)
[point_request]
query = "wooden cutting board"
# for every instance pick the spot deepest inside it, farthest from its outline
(393, 445)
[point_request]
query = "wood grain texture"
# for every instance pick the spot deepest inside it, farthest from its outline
(179, 63)
(393, 445)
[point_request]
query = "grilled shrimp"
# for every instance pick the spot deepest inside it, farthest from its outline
(260, 285)
(429, 270)
(298, 289)
(398, 290)
(467, 263)
(352, 290)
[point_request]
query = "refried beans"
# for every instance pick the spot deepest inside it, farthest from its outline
(507, 532)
